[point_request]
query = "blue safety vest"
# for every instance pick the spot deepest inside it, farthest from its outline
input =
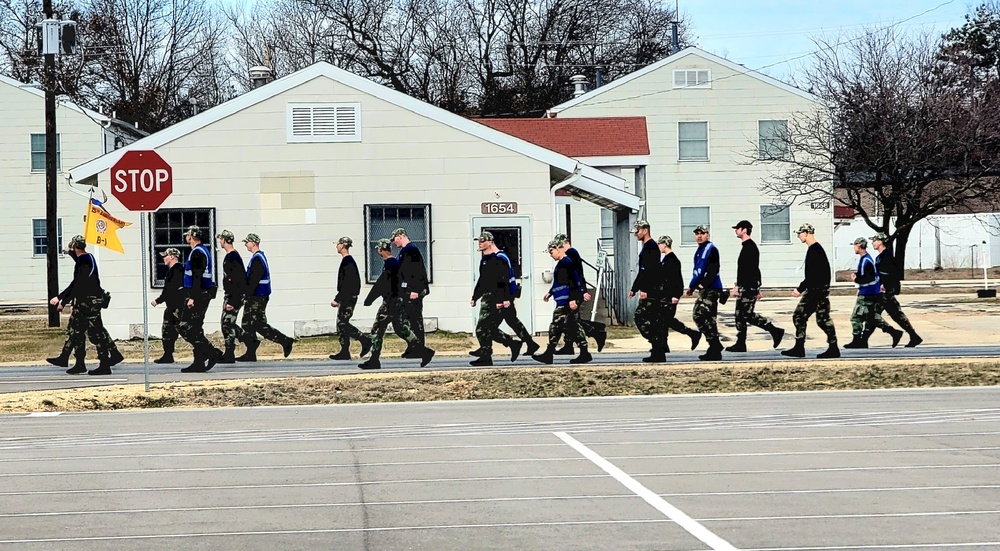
(512, 281)
(701, 264)
(264, 287)
(872, 287)
(206, 277)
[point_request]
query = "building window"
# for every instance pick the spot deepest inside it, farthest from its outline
(772, 140)
(323, 122)
(608, 229)
(774, 224)
(691, 218)
(692, 78)
(167, 227)
(692, 141)
(380, 220)
(38, 245)
(38, 153)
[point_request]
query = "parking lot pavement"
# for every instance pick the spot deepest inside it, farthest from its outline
(833, 470)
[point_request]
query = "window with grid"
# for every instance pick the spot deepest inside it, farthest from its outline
(38, 153)
(692, 141)
(167, 227)
(772, 140)
(775, 224)
(691, 218)
(692, 78)
(381, 220)
(38, 240)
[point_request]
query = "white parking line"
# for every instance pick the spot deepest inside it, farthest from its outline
(44, 414)
(687, 523)
(898, 546)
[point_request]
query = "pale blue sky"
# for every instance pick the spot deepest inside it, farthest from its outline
(762, 34)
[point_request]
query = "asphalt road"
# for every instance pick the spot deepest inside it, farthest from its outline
(46, 377)
(905, 469)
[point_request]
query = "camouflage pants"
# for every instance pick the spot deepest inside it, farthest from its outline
(414, 310)
(192, 326)
(863, 315)
(706, 308)
(649, 321)
(814, 301)
(255, 321)
(231, 331)
(169, 331)
(345, 329)
(488, 326)
(85, 322)
(391, 311)
(745, 314)
(563, 318)
(889, 304)
(668, 319)
(510, 316)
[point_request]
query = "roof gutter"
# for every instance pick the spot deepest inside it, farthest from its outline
(568, 181)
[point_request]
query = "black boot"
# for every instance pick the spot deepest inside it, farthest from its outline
(371, 363)
(168, 354)
(198, 365)
(251, 354)
(740, 345)
(859, 341)
(425, 354)
(366, 345)
(212, 356)
(831, 352)
(583, 358)
(515, 350)
(914, 340)
(62, 360)
(229, 355)
(476, 353)
(601, 337)
(115, 357)
(80, 368)
(776, 334)
(656, 355)
(797, 351)
(344, 354)
(714, 352)
(485, 359)
(896, 335)
(286, 346)
(532, 347)
(695, 338)
(103, 369)
(545, 357)
(410, 352)
(566, 350)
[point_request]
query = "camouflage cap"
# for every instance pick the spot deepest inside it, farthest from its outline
(77, 242)
(194, 231)
(702, 228)
(174, 252)
(880, 236)
(639, 225)
(665, 240)
(806, 228)
(383, 245)
(561, 237)
(861, 242)
(226, 236)
(345, 241)
(252, 238)
(484, 237)
(553, 245)
(397, 232)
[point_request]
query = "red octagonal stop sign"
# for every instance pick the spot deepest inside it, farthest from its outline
(141, 180)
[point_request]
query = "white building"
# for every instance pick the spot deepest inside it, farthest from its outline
(323, 153)
(81, 135)
(706, 118)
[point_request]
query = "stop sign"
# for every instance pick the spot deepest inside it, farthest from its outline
(141, 180)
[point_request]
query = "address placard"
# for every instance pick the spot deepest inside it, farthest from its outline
(503, 207)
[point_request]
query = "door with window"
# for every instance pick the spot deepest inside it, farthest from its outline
(512, 235)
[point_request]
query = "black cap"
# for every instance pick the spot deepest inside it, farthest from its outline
(743, 224)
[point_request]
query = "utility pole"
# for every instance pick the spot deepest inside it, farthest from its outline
(52, 244)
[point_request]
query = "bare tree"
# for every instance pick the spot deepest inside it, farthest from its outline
(19, 56)
(896, 140)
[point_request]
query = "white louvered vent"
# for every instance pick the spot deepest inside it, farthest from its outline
(692, 78)
(324, 122)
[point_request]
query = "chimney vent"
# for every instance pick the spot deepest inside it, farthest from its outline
(259, 76)
(579, 85)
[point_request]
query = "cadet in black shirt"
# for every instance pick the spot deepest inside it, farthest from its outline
(233, 286)
(746, 291)
(493, 292)
(348, 290)
(669, 295)
(647, 285)
(815, 293)
(891, 274)
(173, 296)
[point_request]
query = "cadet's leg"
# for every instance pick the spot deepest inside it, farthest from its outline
(825, 323)
(706, 308)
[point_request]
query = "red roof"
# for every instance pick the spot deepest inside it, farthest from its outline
(583, 137)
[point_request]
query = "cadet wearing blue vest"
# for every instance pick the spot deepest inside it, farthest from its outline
(595, 329)
(863, 318)
(258, 292)
(200, 289)
(711, 292)
(567, 291)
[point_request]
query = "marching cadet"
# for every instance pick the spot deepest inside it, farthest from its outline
(233, 283)
(258, 293)
(88, 299)
(648, 284)
(672, 287)
(173, 296)
(348, 290)
(510, 313)
(414, 285)
(568, 294)
(200, 290)
(890, 273)
(746, 291)
(493, 292)
(596, 330)
(389, 288)
(706, 278)
(815, 297)
(863, 318)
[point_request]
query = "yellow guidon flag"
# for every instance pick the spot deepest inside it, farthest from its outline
(100, 227)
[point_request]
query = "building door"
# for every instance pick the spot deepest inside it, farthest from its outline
(512, 235)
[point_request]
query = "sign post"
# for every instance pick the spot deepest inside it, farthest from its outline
(142, 181)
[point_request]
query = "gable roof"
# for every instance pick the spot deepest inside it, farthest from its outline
(582, 137)
(37, 91)
(605, 184)
(686, 52)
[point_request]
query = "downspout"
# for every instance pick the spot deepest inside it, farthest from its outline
(570, 180)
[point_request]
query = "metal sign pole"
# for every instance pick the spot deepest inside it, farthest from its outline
(145, 301)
